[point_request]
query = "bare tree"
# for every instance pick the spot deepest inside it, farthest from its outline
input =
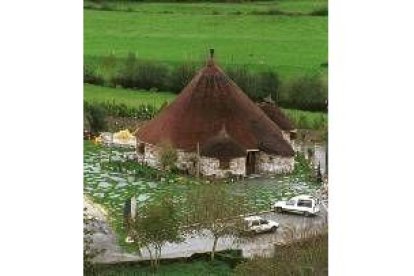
(214, 208)
(153, 226)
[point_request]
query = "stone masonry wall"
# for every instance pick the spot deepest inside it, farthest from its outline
(211, 166)
(265, 163)
(273, 164)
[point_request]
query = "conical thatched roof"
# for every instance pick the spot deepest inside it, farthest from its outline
(208, 102)
(277, 116)
(223, 147)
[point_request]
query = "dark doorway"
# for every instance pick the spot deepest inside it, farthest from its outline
(251, 162)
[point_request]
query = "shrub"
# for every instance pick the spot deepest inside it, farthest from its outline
(90, 76)
(267, 84)
(141, 74)
(306, 93)
(95, 116)
(168, 156)
(244, 79)
(181, 76)
(320, 12)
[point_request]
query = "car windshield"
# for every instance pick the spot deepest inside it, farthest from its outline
(290, 202)
(263, 221)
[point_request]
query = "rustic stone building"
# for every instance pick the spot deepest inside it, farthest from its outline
(216, 131)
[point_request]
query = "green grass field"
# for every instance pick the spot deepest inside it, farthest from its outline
(175, 33)
(131, 98)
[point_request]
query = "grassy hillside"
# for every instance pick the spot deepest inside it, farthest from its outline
(174, 33)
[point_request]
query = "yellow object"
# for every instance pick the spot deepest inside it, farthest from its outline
(98, 140)
(123, 135)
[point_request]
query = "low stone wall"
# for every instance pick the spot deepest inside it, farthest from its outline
(274, 164)
(211, 167)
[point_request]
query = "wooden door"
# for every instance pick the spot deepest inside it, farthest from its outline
(251, 162)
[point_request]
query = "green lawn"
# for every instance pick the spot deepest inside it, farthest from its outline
(174, 33)
(131, 98)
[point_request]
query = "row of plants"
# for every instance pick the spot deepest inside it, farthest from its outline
(95, 113)
(113, 6)
(307, 92)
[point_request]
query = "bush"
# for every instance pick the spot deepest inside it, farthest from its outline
(244, 79)
(141, 74)
(320, 12)
(267, 84)
(168, 156)
(95, 117)
(306, 93)
(181, 76)
(90, 76)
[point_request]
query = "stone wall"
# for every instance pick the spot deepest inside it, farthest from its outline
(150, 156)
(273, 164)
(286, 136)
(187, 161)
(211, 167)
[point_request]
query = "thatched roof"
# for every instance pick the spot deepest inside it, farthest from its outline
(223, 147)
(277, 116)
(208, 102)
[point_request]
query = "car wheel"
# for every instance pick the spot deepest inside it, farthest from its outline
(273, 229)
(279, 209)
(307, 214)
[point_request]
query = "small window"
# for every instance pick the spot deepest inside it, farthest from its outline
(263, 221)
(291, 202)
(141, 148)
(255, 223)
(224, 164)
(305, 203)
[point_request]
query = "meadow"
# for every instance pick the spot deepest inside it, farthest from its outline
(252, 34)
(131, 98)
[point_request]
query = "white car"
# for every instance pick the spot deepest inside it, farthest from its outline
(303, 204)
(258, 224)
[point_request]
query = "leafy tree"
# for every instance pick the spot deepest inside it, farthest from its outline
(214, 208)
(153, 226)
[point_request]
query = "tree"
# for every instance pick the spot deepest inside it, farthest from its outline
(153, 226)
(214, 208)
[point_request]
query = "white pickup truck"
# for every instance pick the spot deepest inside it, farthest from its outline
(303, 204)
